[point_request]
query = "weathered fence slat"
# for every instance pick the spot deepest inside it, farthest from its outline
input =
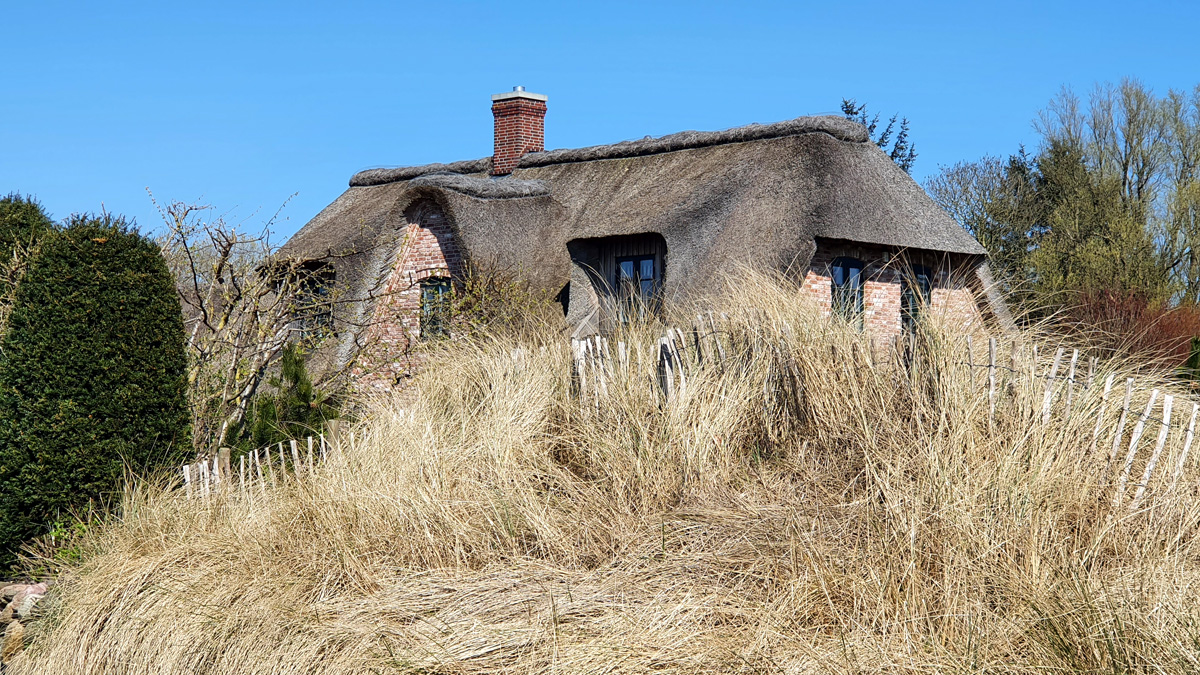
(1158, 448)
(1120, 430)
(187, 479)
(1048, 398)
(262, 483)
(1127, 467)
(991, 380)
(970, 363)
(1108, 382)
(1187, 445)
(1013, 357)
(1071, 383)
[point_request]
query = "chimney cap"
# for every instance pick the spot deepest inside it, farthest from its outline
(519, 92)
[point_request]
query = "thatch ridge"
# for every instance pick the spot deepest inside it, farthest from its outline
(837, 127)
(484, 188)
(384, 176)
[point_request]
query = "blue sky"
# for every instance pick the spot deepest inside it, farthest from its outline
(241, 104)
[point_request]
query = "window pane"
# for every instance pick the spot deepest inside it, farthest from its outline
(435, 307)
(647, 287)
(627, 269)
(647, 271)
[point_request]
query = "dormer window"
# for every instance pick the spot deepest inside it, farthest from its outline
(636, 284)
(313, 311)
(435, 308)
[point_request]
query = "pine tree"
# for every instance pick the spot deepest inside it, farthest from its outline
(92, 377)
(903, 152)
(296, 408)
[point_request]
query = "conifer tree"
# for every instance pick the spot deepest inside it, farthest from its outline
(294, 409)
(902, 152)
(92, 377)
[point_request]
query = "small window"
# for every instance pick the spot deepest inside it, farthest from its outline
(636, 284)
(916, 293)
(313, 309)
(846, 276)
(435, 308)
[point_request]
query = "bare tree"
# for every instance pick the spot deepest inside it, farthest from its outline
(242, 304)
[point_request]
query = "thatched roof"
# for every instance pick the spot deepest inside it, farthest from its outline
(758, 194)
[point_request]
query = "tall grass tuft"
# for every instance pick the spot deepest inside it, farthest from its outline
(808, 504)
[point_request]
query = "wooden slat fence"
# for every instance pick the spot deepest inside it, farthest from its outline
(273, 465)
(713, 341)
(1132, 469)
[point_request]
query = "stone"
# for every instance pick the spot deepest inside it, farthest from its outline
(14, 641)
(27, 605)
(25, 599)
(7, 592)
(7, 615)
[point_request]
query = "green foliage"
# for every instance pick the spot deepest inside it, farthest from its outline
(498, 302)
(1094, 240)
(295, 408)
(23, 222)
(903, 152)
(92, 379)
(1109, 205)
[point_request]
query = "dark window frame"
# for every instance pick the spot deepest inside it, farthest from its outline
(435, 298)
(847, 288)
(914, 302)
(636, 292)
(313, 310)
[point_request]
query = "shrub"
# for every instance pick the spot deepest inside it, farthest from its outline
(1130, 324)
(92, 379)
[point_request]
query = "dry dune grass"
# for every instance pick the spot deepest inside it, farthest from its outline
(808, 508)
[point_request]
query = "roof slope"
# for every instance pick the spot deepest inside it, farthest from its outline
(758, 194)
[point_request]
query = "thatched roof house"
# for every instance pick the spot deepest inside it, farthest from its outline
(656, 216)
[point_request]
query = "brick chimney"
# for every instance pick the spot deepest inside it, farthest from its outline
(520, 127)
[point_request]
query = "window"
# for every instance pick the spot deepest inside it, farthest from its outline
(435, 308)
(636, 283)
(847, 286)
(915, 295)
(313, 309)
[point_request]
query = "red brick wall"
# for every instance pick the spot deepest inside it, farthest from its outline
(951, 297)
(428, 248)
(520, 128)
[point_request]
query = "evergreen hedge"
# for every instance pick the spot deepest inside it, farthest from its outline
(23, 222)
(92, 377)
